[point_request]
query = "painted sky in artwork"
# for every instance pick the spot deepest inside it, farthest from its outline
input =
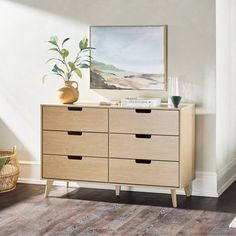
(136, 49)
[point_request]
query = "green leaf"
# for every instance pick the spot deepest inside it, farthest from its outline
(83, 44)
(44, 78)
(83, 62)
(51, 59)
(54, 49)
(55, 59)
(72, 65)
(78, 72)
(57, 69)
(83, 65)
(53, 40)
(64, 53)
(65, 40)
(88, 49)
(47, 75)
(54, 69)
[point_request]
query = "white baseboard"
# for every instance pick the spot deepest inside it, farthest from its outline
(226, 176)
(226, 185)
(205, 184)
(29, 162)
(31, 181)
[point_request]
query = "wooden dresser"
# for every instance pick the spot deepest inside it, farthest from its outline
(120, 146)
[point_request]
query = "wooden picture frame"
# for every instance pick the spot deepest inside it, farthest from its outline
(128, 57)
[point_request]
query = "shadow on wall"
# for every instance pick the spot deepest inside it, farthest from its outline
(16, 125)
(8, 139)
(205, 142)
(81, 11)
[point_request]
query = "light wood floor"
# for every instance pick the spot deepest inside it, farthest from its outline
(98, 212)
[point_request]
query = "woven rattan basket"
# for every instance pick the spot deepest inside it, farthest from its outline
(10, 171)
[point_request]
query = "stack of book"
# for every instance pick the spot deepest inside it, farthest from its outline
(141, 102)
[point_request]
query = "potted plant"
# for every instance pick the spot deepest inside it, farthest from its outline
(65, 68)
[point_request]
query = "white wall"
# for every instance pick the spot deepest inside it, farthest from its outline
(27, 24)
(226, 91)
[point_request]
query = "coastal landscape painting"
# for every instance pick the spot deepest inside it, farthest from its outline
(128, 57)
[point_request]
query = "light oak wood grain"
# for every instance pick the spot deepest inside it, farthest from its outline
(173, 197)
(87, 169)
(155, 148)
(48, 187)
(86, 144)
(157, 122)
(193, 140)
(186, 146)
(187, 191)
(117, 190)
(163, 106)
(117, 133)
(88, 119)
(156, 173)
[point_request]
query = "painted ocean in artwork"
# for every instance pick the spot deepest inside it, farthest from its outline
(128, 57)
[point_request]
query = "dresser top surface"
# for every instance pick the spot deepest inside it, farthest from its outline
(163, 106)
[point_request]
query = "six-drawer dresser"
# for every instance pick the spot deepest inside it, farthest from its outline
(120, 146)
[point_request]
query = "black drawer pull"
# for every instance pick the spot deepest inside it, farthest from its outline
(74, 108)
(74, 133)
(143, 110)
(143, 135)
(70, 157)
(142, 161)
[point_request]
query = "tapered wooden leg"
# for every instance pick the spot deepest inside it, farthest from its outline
(67, 184)
(48, 187)
(117, 190)
(173, 197)
(187, 190)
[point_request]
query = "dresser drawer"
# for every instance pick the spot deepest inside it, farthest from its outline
(158, 173)
(75, 119)
(144, 121)
(75, 143)
(87, 169)
(144, 147)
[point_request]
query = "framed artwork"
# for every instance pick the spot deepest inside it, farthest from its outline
(128, 57)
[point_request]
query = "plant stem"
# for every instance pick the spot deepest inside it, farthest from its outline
(67, 68)
(77, 56)
(65, 77)
(70, 71)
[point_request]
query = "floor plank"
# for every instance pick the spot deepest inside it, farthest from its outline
(99, 212)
